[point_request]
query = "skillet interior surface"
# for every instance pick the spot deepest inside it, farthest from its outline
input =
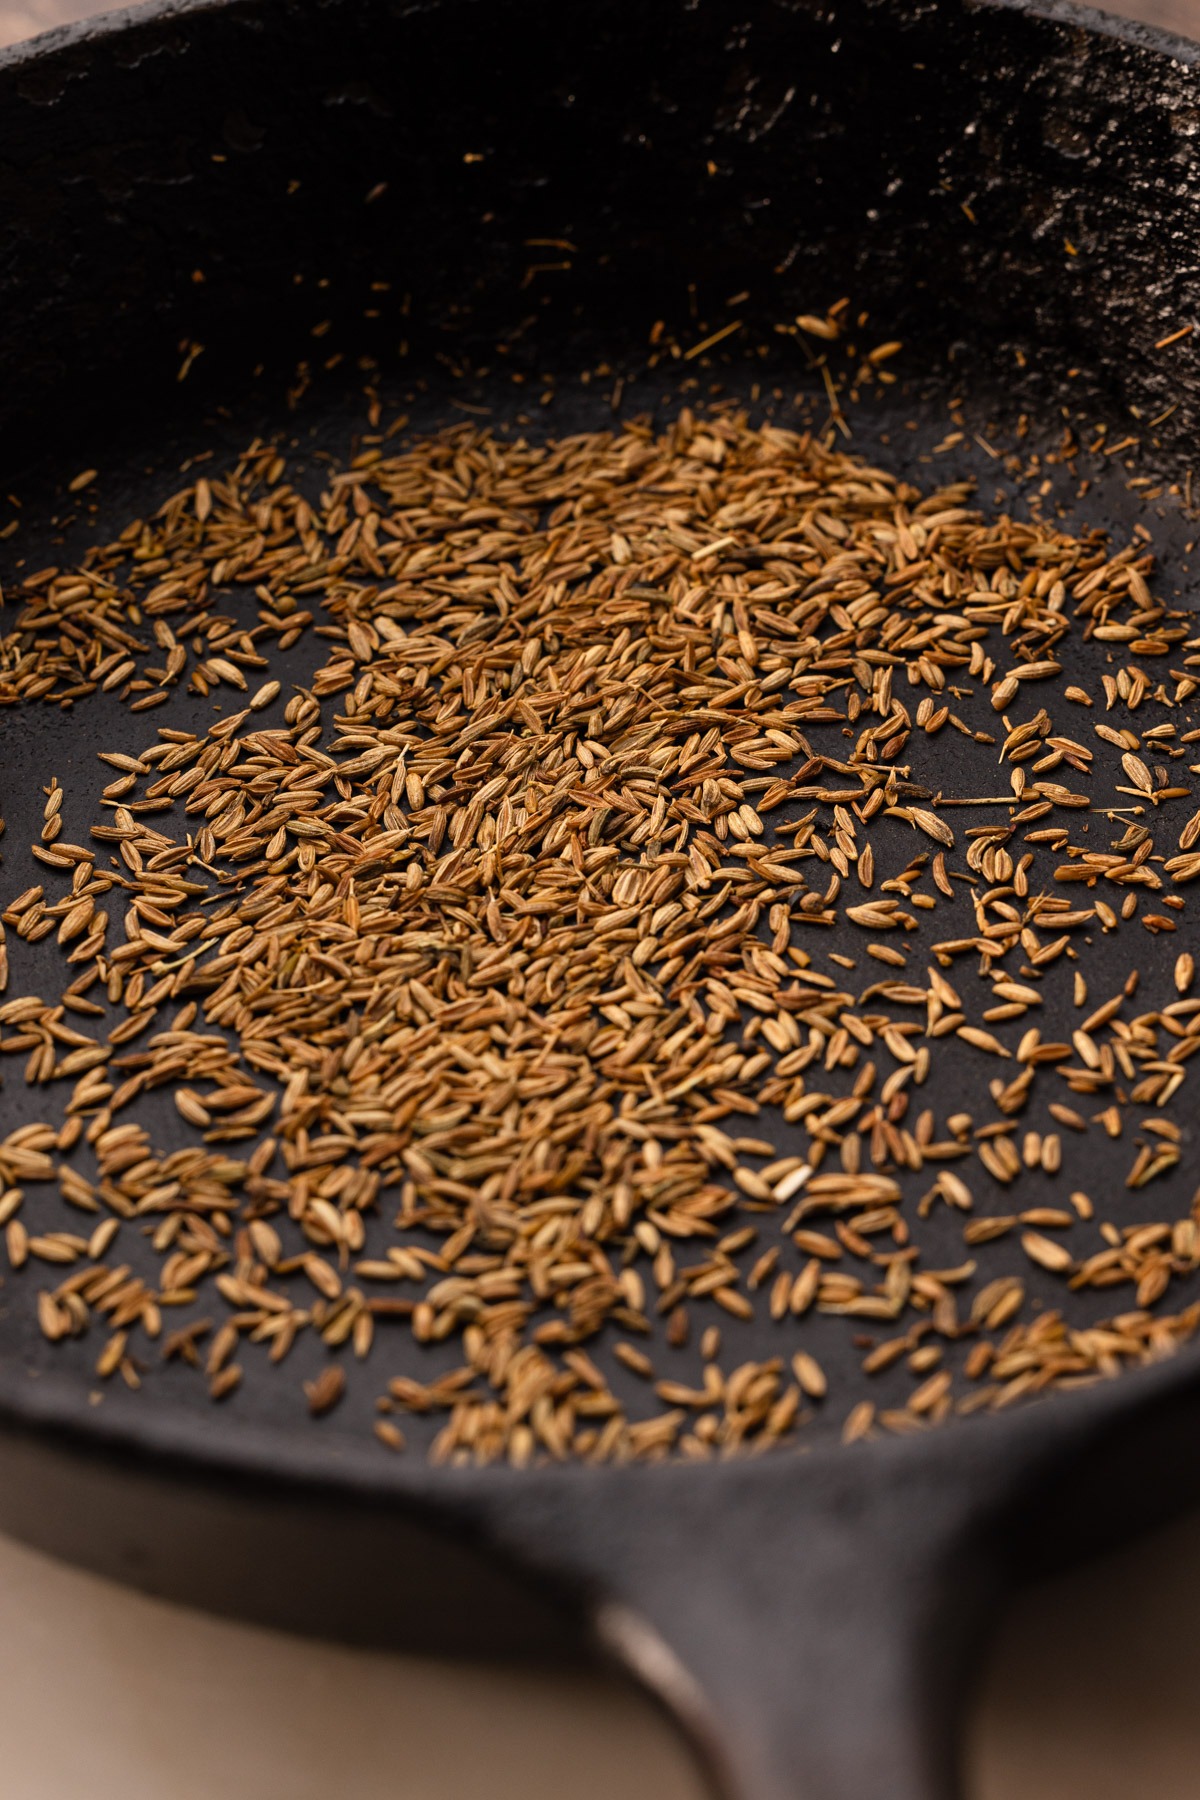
(903, 431)
(437, 293)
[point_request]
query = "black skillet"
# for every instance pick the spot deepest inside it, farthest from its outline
(1012, 191)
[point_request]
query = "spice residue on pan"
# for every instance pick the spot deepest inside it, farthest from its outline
(556, 976)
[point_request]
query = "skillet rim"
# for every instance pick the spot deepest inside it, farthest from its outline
(1157, 39)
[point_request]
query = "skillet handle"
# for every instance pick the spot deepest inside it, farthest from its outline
(808, 1620)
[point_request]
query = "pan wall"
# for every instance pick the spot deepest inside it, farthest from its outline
(227, 188)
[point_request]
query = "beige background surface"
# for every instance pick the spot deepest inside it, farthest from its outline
(1089, 1694)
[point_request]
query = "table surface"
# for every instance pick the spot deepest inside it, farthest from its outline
(1089, 1693)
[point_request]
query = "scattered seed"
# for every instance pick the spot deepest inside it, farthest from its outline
(482, 978)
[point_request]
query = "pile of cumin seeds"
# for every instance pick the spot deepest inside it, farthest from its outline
(546, 988)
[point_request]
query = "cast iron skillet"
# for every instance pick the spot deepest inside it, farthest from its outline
(1009, 189)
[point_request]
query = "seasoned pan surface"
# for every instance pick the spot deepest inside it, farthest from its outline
(908, 433)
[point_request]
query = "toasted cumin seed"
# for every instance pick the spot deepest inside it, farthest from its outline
(326, 1390)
